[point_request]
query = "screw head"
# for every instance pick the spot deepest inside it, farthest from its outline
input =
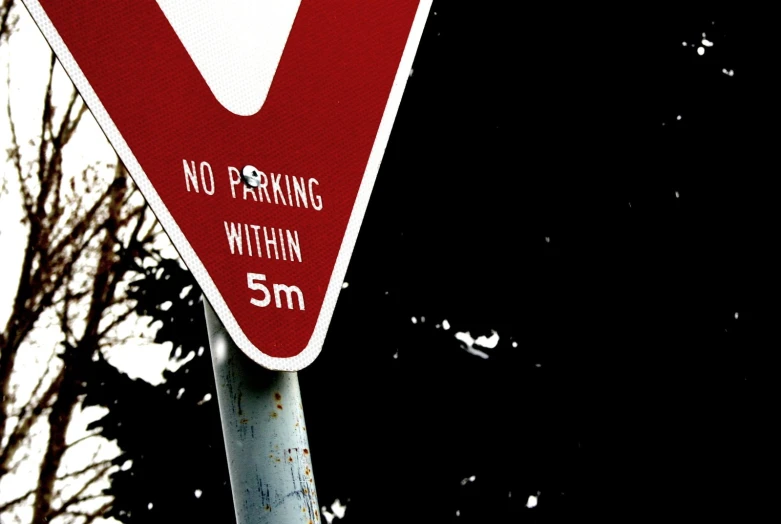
(250, 176)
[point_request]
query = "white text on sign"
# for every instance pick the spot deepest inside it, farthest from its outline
(277, 244)
(274, 188)
(261, 241)
(255, 283)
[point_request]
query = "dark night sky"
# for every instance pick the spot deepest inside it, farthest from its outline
(634, 389)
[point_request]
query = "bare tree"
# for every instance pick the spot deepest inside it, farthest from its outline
(7, 22)
(87, 231)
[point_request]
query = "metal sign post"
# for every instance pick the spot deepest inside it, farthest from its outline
(265, 436)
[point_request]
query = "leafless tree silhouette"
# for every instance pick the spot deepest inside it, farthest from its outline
(87, 231)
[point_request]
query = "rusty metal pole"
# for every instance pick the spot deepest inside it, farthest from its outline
(265, 436)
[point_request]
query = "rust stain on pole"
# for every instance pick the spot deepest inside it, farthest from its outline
(269, 486)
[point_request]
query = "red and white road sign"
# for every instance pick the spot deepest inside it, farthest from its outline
(256, 138)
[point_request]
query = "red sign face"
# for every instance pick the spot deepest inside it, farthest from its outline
(264, 200)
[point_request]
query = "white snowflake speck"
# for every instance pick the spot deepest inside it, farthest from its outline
(206, 398)
(467, 480)
(338, 508)
(468, 344)
(488, 342)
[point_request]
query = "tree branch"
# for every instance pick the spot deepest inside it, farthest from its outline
(6, 22)
(110, 269)
(117, 320)
(27, 418)
(90, 517)
(102, 464)
(98, 513)
(5, 506)
(82, 439)
(14, 154)
(79, 495)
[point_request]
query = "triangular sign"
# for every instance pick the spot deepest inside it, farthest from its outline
(261, 180)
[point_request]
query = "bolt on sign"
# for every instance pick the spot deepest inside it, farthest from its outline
(255, 131)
